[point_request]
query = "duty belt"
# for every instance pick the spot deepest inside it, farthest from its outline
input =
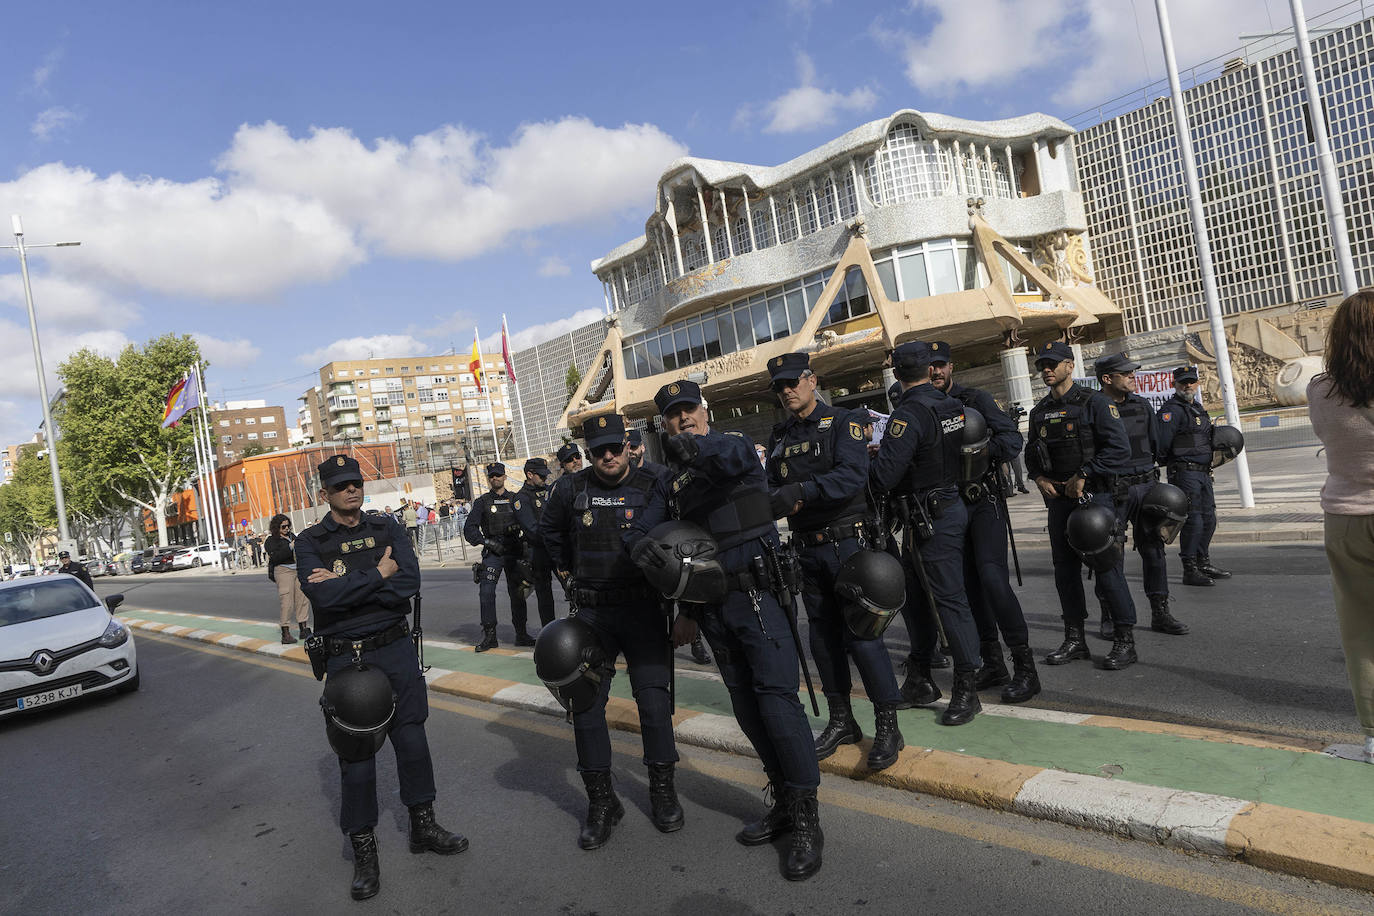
(605, 597)
(826, 535)
(1130, 480)
(342, 645)
(744, 581)
(1189, 466)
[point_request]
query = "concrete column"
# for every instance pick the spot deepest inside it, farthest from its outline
(835, 192)
(749, 218)
(725, 221)
(959, 177)
(859, 190)
(1016, 373)
(705, 224)
(1011, 172)
(777, 226)
(677, 241)
(1081, 369)
(796, 211)
(815, 203)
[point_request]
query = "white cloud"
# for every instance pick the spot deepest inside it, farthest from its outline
(807, 106)
(378, 346)
(554, 266)
(61, 302)
(17, 378)
(536, 334)
(38, 81)
(51, 120)
(227, 353)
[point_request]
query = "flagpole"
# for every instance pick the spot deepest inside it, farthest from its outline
(222, 541)
(515, 383)
(199, 486)
(491, 411)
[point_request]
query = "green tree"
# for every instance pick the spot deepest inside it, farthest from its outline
(572, 380)
(111, 420)
(28, 509)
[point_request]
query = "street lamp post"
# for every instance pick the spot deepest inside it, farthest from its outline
(63, 533)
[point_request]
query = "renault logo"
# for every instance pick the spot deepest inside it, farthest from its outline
(43, 662)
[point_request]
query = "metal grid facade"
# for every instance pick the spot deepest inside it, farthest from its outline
(542, 371)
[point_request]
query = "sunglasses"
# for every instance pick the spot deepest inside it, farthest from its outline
(782, 384)
(347, 484)
(615, 448)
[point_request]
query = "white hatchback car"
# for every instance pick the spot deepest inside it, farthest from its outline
(58, 641)
(197, 556)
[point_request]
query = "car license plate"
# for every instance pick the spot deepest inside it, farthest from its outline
(50, 696)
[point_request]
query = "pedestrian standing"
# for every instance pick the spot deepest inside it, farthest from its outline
(1341, 404)
(421, 525)
(280, 548)
(445, 519)
(410, 518)
(1185, 440)
(530, 501)
(73, 568)
(360, 573)
(492, 526)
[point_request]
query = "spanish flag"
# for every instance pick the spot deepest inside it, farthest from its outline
(184, 395)
(475, 364)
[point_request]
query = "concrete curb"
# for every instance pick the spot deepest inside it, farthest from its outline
(1287, 840)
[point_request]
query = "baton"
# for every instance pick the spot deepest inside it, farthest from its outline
(1003, 486)
(909, 540)
(417, 635)
(790, 612)
(673, 608)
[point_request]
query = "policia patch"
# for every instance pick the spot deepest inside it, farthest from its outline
(856, 432)
(896, 428)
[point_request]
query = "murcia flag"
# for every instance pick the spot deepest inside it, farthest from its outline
(183, 396)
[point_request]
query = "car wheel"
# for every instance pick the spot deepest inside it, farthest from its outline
(130, 685)
(195, 564)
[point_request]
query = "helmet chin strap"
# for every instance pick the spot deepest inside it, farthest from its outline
(682, 579)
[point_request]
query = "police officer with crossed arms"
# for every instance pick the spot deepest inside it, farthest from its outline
(717, 483)
(1077, 447)
(529, 504)
(492, 526)
(360, 572)
(586, 526)
(1185, 441)
(818, 472)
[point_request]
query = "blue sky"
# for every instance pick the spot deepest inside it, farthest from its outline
(295, 182)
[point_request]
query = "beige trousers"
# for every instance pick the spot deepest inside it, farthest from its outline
(1350, 550)
(294, 605)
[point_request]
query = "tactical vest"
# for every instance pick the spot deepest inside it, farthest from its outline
(535, 497)
(1136, 414)
(1193, 432)
(802, 459)
(600, 517)
(498, 516)
(731, 514)
(1066, 430)
(936, 466)
(345, 550)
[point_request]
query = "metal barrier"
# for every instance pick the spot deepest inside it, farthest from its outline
(1277, 429)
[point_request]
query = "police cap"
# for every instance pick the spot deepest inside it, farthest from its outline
(911, 355)
(568, 452)
(64, 555)
(1116, 362)
(604, 430)
(939, 351)
(496, 469)
(674, 393)
(338, 468)
(634, 438)
(538, 466)
(1055, 351)
(1185, 374)
(789, 366)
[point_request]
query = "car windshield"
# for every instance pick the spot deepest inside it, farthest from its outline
(43, 598)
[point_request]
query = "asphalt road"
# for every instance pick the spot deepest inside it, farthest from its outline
(1264, 654)
(212, 790)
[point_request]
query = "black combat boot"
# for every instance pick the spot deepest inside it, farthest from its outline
(305, 632)
(963, 701)
(1123, 649)
(776, 821)
(887, 738)
(804, 858)
(286, 637)
(699, 653)
(1106, 628)
(1204, 566)
(604, 810)
(427, 836)
(841, 729)
(917, 688)
(939, 659)
(994, 671)
(488, 640)
(1073, 647)
(1025, 683)
(367, 879)
(522, 636)
(1163, 621)
(664, 810)
(1192, 575)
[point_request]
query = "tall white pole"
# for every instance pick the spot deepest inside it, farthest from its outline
(1326, 163)
(1204, 252)
(519, 406)
(214, 478)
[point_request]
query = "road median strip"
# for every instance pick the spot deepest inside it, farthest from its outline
(1275, 805)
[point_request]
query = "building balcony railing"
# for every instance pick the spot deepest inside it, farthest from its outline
(343, 403)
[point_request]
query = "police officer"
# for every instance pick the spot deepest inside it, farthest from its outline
(491, 525)
(530, 501)
(586, 526)
(1077, 446)
(1116, 374)
(1185, 441)
(986, 575)
(717, 482)
(918, 464)
(73, 568)
(818, 472)
(569, 458)
(359, 572)
(634, 446)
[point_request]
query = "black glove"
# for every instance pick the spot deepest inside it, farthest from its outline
(495, 546)
(682, 448)
(649, 554)
(781, 500)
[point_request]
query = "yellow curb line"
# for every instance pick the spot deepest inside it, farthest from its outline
(1330, 849)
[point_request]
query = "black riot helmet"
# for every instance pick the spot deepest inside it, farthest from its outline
(1163, 510)
(524, 575)
(872, 586)
(678, 559)
(1091, 532)
(358, 704)
(570, 661)
(1227, 443)
(975, 455)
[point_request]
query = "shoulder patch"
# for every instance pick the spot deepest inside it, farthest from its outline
(517, 504)
(1166, 416)
(856, 432)
(896, 428)
(734, 432)
(1111, 409)
(825, 423)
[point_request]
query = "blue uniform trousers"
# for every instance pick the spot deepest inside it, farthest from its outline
(1196, 537)
(832, 642)
(757, 659)
(414, 769)
(1150, 546)
(492, 566)
(640, 633)
(1110, 586)
(543, 584)
(942, 559)
(987, 578)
